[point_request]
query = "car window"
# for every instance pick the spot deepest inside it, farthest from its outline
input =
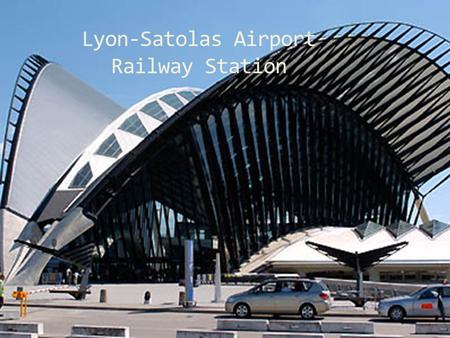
(415, 293)
(287, 286)
(446, 292)
(429, 294)
(323, 286)
(303, 286)
(256, 289)
(269, 287)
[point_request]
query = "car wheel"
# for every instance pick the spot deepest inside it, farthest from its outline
(242, 310)
(307, 311)
(396, 313)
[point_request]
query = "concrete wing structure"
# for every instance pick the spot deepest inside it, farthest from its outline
(52, 118)
(116, 140)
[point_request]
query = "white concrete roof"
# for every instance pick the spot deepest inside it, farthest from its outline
(421, 249)
(126, 140)
(62, 117)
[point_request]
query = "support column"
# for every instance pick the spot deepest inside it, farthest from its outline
(374, 275)
(422, 211)
(189, 272)
(359, 283)
(218, 280)
(359, 277)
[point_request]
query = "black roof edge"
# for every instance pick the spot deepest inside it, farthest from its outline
(25, 81)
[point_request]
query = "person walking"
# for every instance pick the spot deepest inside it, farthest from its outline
(2, 289)
(441, 306)
(69, 276)
(76, 276)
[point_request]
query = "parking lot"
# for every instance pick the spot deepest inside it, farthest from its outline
(163, 317)
(144, 324)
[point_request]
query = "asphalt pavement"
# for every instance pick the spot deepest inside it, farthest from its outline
(125, 307)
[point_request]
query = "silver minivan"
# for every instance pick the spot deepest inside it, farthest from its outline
(305, 297)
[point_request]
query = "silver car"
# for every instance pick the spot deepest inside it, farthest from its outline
(282, 296)
(421, 303)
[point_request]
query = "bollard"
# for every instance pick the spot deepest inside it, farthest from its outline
(19, 289)
(103, 296)
(147, 297)
(181, 298)
(23, 296)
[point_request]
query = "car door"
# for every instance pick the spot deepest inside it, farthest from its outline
(262, 299)
(426, 304)
(288, 297)
(446, 299)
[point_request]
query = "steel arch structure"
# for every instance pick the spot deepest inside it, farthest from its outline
(22, 90)
(259, 166)
(359, 122)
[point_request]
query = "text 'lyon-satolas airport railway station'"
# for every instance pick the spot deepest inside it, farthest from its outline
(334, 150)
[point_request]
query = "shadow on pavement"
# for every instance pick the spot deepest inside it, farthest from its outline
(285, 317)
(408, 320)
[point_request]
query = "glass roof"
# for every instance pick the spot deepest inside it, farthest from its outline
(82, 177)
(399, 228)
(134, 126)
(433, 228)
(367, 229)
(172, 100)
(187, 95)
(110, 147)
(154, 110)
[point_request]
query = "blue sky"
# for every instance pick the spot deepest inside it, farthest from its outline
(54, 29)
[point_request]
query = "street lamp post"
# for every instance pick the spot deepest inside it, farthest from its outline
(217, 275)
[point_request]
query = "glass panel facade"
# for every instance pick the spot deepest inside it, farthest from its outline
(134, 126)
(293, 161)
(110, 147)
(250, 170)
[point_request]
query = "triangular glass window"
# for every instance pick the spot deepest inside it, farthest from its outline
(82, 178)
(172, 100)
(154, 110)
(134, 126)
(110, 147)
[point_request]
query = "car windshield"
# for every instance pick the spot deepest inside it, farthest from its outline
(255, 288)
(415, 293)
